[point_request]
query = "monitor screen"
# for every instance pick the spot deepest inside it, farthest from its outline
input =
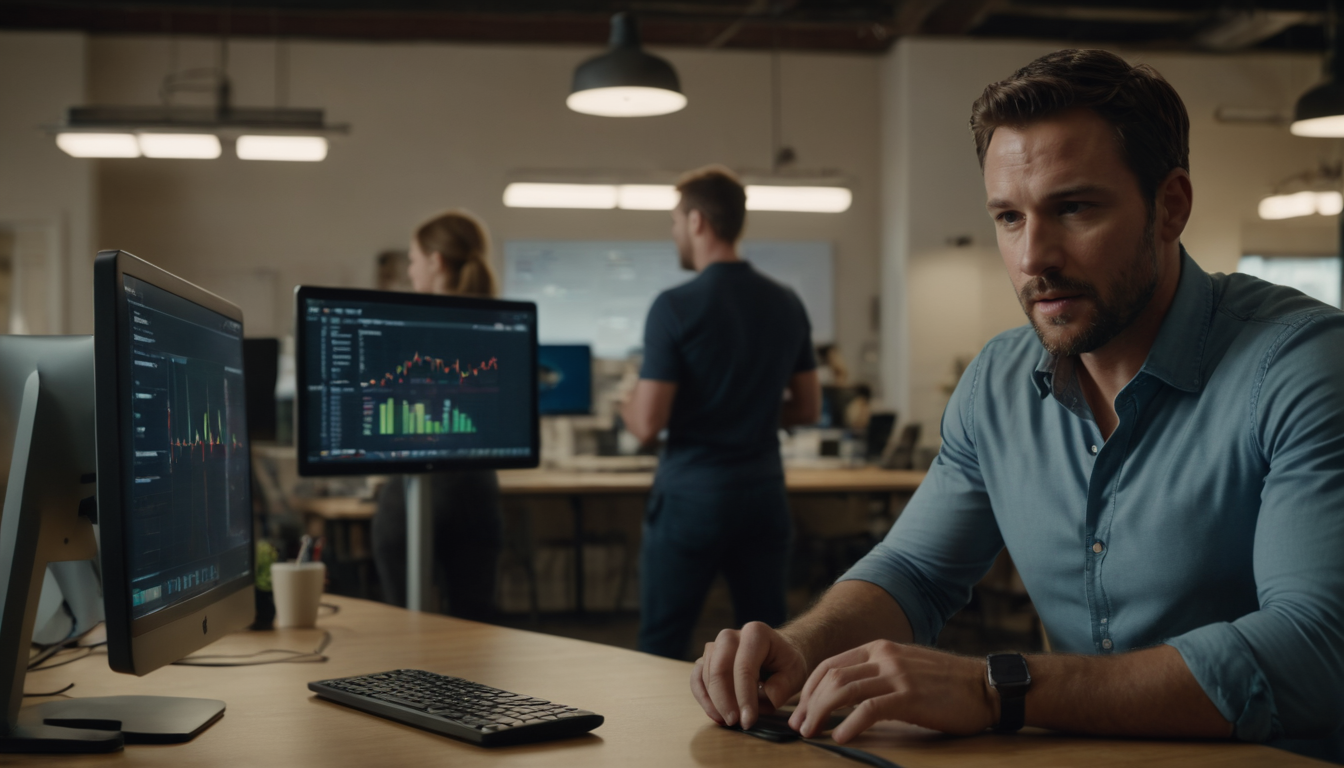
(565, 377)
(190, 495)
(397, 382)
(174, 468)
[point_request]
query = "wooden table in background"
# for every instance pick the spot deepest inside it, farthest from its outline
(651, 719)
(574, 486)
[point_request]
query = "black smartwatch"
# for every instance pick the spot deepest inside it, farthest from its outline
(1009, 676)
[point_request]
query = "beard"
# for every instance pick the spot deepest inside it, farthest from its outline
(1131, 293)
(684, 256)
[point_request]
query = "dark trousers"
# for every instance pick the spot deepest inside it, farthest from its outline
(689, 539)
(468, 532)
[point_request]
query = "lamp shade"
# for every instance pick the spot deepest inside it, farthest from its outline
(1320, 111)
(626, 81)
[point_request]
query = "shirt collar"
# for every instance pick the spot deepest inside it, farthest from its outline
(1177, 355)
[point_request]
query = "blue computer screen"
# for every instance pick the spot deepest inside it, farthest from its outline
(565, 378)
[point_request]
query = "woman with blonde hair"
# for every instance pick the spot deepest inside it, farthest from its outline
(449, 255)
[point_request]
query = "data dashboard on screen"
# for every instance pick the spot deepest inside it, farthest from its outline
(190, 490)
(393, 382)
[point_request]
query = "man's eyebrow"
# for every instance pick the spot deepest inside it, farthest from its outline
(996, 203)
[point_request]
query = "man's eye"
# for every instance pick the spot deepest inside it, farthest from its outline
(1009, 217)
(1072, 207)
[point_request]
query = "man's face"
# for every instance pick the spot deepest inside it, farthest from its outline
(1073, 228)
(682, 237)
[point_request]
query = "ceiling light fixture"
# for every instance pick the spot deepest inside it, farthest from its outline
(308, 149)
(626, 81)
(184, 146)
(1320, 111)
(664, 197)
(170, 131)
(98, 144)
(1321, 195)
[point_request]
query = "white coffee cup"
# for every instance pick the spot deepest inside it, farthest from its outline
(298, 590)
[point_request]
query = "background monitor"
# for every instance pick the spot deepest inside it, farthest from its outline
(409, 383)
(565, 378)
(261, 360)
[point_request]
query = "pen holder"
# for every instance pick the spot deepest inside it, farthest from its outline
(298, 589)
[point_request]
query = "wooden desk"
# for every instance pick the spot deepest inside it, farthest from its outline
(652, 720)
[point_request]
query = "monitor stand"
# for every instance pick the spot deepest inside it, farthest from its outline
(35, 531)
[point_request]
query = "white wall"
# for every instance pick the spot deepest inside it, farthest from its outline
(46, 195)
(957, 298)
(439, 126)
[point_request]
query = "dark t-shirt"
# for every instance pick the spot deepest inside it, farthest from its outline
(730, 339)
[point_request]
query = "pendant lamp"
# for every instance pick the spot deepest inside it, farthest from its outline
(1320, 111)
(626, 81)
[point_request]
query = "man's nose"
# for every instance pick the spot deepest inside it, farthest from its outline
(1042, 247)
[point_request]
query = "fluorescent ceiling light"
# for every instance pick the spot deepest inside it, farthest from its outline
(309, 149)
(1288, 206)
(1329, 203)
(533, 195)
(647, 197)
(626, 101)
(98, 144)
(798, 199)
(180, 146)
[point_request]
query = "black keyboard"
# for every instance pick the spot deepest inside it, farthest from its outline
(456, 707)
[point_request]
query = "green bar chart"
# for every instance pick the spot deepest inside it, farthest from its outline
(408, 418)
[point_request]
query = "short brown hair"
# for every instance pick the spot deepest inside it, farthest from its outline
(462, 241)
(716, 193)
(1146, 113)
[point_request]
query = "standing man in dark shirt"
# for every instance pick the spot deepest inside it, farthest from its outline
(727, 361)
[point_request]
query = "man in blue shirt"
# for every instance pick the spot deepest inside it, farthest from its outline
(1163, 458)
(720, 353)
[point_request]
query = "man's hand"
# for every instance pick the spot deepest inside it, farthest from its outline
(890, 681)
(726, 680)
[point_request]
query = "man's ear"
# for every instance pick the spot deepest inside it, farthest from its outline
(1175, 199)
(695, 222)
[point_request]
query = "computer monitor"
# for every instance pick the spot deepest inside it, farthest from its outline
(413, 383)
(565, 376)
(140, 430)
(261, 360)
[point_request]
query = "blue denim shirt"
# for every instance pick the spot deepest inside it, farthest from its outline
(1212, 520)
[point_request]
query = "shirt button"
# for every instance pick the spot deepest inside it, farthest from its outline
(1096, 547)
(1094, 450)
(1107, 644)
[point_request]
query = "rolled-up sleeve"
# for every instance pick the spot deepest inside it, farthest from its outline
(946, 538)
(1278, 672)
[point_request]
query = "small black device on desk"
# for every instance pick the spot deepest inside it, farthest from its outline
(459, 708)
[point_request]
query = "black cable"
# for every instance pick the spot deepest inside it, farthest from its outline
(88, 651)
(55, 648)
(53, 693)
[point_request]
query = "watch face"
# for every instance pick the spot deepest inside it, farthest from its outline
(1008, 669)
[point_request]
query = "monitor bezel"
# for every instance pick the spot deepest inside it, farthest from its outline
(138, 646)
(310, 468)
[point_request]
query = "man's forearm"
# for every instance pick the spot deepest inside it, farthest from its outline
(1141, 693)
(850, 614)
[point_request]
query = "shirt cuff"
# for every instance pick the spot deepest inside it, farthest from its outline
(1225, 667)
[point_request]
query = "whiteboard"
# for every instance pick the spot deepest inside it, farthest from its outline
(599, 293)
